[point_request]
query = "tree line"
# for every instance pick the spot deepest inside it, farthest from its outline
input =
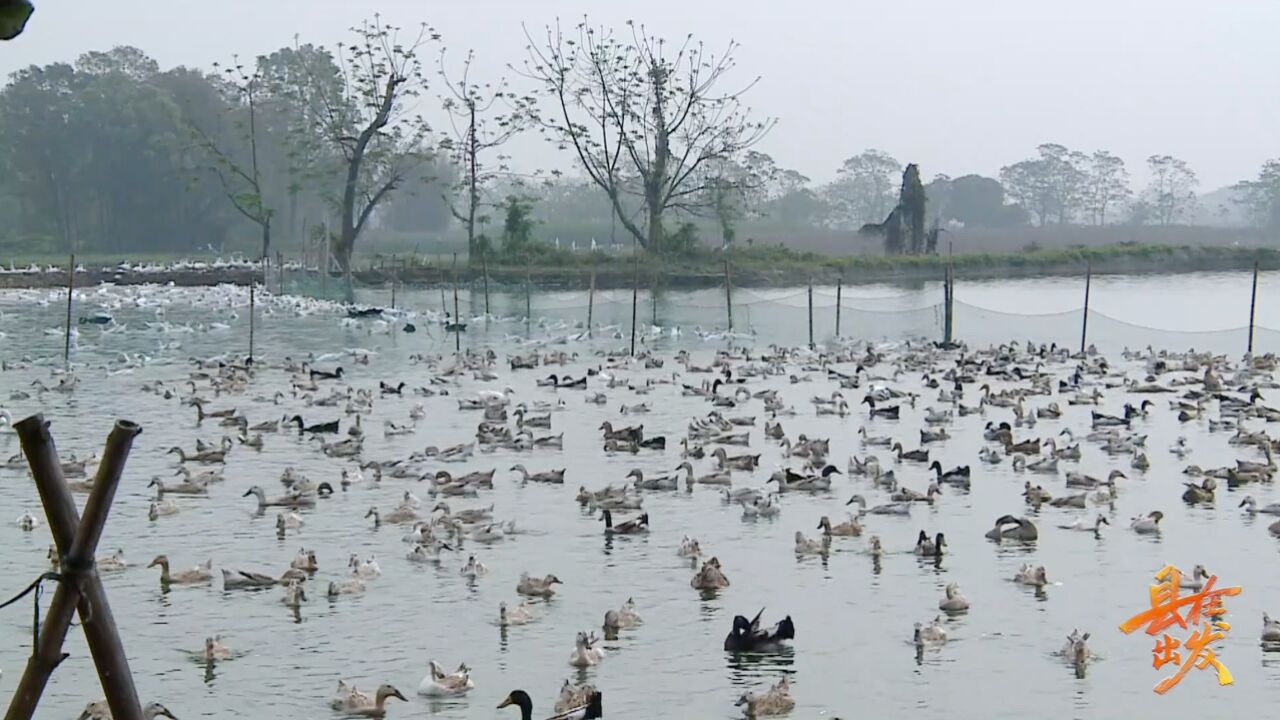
(111, 153)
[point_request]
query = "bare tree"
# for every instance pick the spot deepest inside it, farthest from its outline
(639, 108)
(482, 118)
(1107, 185)
(1172, 190)
(240, 178)
(365, 117)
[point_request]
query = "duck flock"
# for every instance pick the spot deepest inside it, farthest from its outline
(507, 477)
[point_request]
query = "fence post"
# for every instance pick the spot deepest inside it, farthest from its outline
(457, 319)
(653, 295)
(948, 297)
(251, 322)
(484, 268)
(635, 293)
(1084, 323)
(393, 282)
(528, 302)
(280, 272)
(1253, 304)
(591, 299)
(811, 346)
(71, 284)
(728, 293)
(839, 294)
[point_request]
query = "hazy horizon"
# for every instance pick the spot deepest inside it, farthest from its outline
(958, 89)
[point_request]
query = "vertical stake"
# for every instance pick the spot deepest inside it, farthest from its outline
(1253, 304)
(1084, 323)
(635, 292)
(839, 299)
(251, 322)
(728, 293)
(591, 299)
(811, 345)
(71, 284)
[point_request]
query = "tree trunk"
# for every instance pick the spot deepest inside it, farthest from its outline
(654, 207)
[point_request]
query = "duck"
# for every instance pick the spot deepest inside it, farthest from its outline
(594, 707)
(623, 618)
(294, 594)
(1008, 527)
(1200, 493)
(1148, 525)
(748, 636)
(1251, 507)
(929, 548)
(894, 508)
(1031, 575)
(241, 580)
(735, 462)
(585, 654)
(550, 476)
(197, 575)
(473, 568)
(28, 522)
(710, 577)
(114, 562)
(162, 508)
(635, 526)
(1270, 629)
(1197, 579)
(789, 481)
(438, 683)
(1079, 524)
(776, 700)
(805, 546)
(214, 650)
(662, 482)
(184, 488)
(931, 634)
(292, 500)
(349, 586)
(367, 569)
(360, 705)
(912, 455)
(519, 615)
(954, 601)
(689, 548)
(537, 587)
(849, 528)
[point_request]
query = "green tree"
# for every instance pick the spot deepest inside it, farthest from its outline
(1261, 197)
(1107, 185)
(863, 188)
(911, 204)
(641, 109)
(1171, 194)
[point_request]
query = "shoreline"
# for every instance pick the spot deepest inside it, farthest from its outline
(748, 269)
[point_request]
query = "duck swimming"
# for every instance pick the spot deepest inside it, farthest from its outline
(634, 526)
(1030, 575)
(710, 577)
(954, 601)
(748, 636)
(438, 683)
(929, 548)
(537, 587)
(590, 711)
(1008, 527)
(1147, 525)
(776, 700)
(519, 615)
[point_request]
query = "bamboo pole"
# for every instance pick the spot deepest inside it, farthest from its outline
(251, 318)
(77, 541)
(457, 319)
(394, 276)
(948, 298)
(635, 294)
(1253, 305)
(839, 296)
(811, 345)
(280, 272)
(71, 284)
(484, 267)
(1084, 322)
(528, 302)
(591, 300)
(728, 293)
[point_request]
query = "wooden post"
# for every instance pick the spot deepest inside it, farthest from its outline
(251, 321)
(839, 298)
(457, 319)
(77, 542)
(1084, 322)
(948, 299)
(811, 345)
(591, 299)
(394, 275)
(635, 293)
(71, 284)
(484, 267)
(280, 272)
(728, 293)
(528, 303)
(1253, 305)
(653, 295)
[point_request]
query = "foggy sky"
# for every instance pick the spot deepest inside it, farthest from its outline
(957, 86)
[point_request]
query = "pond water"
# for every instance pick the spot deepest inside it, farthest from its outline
(853, 654)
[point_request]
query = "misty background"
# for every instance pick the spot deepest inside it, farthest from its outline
(1011, 110)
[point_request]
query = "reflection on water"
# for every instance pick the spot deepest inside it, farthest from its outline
(853, 653)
